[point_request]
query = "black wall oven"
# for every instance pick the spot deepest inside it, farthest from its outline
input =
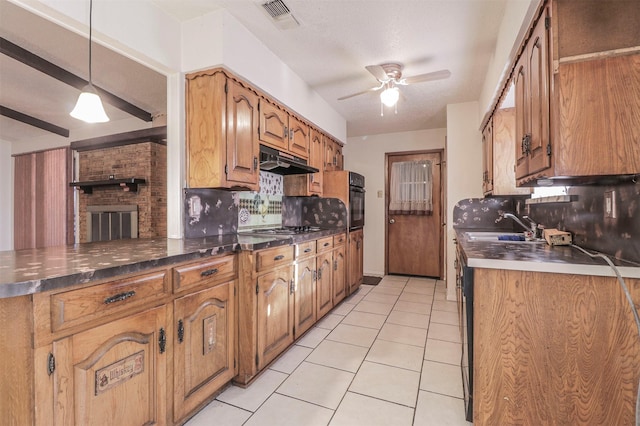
(356, 201)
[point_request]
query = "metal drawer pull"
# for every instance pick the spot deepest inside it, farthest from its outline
(119, 297)
(279, 257)
(326, 244)
(209, 272)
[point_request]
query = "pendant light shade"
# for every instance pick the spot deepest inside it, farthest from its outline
(89, 106)
(390, 96)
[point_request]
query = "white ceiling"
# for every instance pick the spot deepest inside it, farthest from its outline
(329, 50)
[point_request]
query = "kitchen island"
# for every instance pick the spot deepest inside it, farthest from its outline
(553, 338)
(135, 331)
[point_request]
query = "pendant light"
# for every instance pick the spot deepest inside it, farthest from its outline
(89, 106)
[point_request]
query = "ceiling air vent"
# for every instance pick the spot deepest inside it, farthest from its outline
(280, 14)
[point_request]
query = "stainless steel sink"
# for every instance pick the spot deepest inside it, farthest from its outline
(503, 237)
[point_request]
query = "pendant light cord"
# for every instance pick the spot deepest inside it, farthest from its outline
(90, 31)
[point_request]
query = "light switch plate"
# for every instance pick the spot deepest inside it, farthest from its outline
(610, 205)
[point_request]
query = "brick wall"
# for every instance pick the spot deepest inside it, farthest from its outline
(146, 160)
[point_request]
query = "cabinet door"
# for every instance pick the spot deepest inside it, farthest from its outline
(355, 272)
(324, 290)
(242, 136)
(339, 157)
(339, 274)
(539, 97)
(521, 75)
(113, 374)
(274, 126)
(315, 160)
(204, 346)
(305, 295)
(487, 157)
(299, 135)
(275, 314)
(329, 155)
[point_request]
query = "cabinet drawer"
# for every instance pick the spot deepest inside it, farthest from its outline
(325, 244)
(211, 271)
(339, 240)
(79, 306)
(305, 249)
(272, 258)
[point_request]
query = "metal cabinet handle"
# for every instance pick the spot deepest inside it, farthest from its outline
(162, 340)
(308, 250)
(180, 331)
(255, 163)
(279, 257)
(209, 272)
(119, 297)
(326, 244)
(286, 132)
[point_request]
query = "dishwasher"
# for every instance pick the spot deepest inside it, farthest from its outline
(464, 295)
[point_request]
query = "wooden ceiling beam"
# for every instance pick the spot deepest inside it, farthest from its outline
(32, 121)
(34, 61)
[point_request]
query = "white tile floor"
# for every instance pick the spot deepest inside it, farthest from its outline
(387, 355)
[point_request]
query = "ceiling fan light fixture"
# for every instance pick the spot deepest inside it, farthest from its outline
(389, 96)
(89, 105)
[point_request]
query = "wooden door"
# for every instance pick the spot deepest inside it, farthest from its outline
(43, 206)
(299, 134)
(414, 242)
(305, 295)
(204, 346)
(274, 126)
(521, 93)
(339, 274)
(242, 136)
(539, 97)
(324, 291)
(275, 314)
(356, 257)
(487, 157)
(315, 160)
(114, 374)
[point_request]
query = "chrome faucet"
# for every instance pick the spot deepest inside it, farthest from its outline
(533, 226)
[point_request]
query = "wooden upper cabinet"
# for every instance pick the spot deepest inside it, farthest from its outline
(339, 157)
(315, 160)
(501, 172)
(299, 136)
(487, 158)
(274, 126)
(222, 132)
(577, 69)
(329, 154)
(533, 143)
(242, 135)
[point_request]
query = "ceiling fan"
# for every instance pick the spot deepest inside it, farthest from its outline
(390, 77)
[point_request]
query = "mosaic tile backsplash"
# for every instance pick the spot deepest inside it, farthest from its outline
(584, 217)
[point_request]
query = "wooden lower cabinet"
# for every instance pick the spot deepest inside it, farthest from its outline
(553, 349)
(204, 346)
(324, 284)
(305, 295)
(274, 314)
(339, 274)
(355, 266)
(111, 374)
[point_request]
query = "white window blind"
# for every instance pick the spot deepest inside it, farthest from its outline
(411, 187)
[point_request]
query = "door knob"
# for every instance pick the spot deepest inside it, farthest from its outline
(392, 221)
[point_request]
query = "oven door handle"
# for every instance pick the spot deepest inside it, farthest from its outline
(357, 189)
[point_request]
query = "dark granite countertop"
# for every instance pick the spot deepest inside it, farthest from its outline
(537, 257)
(31, 271)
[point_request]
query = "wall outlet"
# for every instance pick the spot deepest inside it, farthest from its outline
(610, 208)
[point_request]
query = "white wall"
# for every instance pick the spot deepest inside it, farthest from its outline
(6, 196)
(464, 170)
(365, 155)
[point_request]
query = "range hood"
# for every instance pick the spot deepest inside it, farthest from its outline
(282, 163)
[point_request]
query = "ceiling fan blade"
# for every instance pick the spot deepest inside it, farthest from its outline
(430, 76)
(373, 89)
(378, 72)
